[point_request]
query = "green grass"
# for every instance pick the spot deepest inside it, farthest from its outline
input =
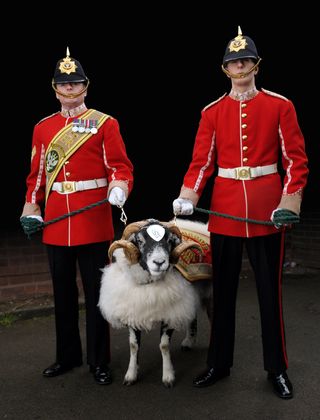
(7, 319)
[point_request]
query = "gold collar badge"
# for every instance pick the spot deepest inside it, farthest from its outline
(238, 43)
(67, 65)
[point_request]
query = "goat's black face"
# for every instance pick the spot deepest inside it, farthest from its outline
(155, 243)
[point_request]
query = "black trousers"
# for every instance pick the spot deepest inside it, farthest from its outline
(63, 261)
(265, 254)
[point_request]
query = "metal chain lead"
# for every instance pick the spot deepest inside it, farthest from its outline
(123, 216)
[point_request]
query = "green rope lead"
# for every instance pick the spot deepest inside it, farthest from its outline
(228, 216)
(281, 218)
(284, 217)
(31, 225)
(72, 213)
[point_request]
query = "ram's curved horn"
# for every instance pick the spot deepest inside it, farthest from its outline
(130, 250)
(133, 228)
(178, 250)
(173, 228)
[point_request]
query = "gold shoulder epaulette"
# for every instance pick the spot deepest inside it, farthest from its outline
(214, 102)
(268, 92)
(45, 118)
(102, 113)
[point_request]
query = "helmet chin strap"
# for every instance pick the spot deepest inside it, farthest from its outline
(240, 75)
(70, 95)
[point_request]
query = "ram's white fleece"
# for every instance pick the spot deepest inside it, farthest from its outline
(124, 301)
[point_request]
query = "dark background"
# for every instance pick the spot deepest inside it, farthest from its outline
(153, 69)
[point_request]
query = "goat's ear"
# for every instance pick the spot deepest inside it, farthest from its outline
(173, 229)
(175, 239)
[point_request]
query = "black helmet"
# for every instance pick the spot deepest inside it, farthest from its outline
(240, 47)
(69, 70)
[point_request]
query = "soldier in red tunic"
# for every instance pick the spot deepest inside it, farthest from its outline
(242, 135)
(78, 158)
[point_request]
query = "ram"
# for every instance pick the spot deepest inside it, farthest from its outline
(145, 285)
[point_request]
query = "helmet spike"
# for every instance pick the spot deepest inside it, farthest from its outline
(239, 31)
(68, 52)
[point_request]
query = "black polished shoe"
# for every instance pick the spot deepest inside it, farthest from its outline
(210, 376)
(281, 385)
(58, 369)
(101, 374)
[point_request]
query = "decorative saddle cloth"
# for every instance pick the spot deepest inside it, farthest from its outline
(191, 264)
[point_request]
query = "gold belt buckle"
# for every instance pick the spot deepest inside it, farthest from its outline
(68, 186)
(243, 172)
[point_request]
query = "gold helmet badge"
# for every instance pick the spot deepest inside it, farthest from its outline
(67, 65)
(238, 43)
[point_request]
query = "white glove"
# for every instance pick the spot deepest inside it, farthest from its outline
(117, 196)
(182, 206)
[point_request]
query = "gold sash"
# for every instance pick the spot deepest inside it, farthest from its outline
(65, 143)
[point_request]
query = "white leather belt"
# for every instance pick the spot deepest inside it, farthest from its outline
(68, 187)
(247, 172)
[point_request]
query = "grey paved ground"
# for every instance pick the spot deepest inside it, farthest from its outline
(27, 346)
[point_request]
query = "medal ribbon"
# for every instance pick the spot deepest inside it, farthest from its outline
(66, 142)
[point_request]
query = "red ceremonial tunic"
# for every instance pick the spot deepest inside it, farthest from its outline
(103, 155)
(251, 133)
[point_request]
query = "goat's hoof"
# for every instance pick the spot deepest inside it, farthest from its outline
(128, 382)
(188, 343)
(168, 384)
(186, 348)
